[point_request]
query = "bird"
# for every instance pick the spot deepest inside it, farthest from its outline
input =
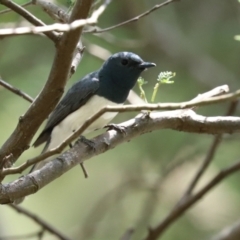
(110, 85)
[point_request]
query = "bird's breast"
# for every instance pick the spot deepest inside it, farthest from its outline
(76, 119)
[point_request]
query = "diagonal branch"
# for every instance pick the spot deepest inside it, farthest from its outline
(179, 120)
(212, 150)
(156, 7)
(190, 122)
(179, 210)
(39, 222)
(16, 91)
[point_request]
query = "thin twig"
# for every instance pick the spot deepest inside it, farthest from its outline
(178, 211)
(39, 221)
(77, 58)
(157, 6)
(47, 29)
(210, 155)
(28, 16)
(16, 91)
(212, 93)
(10, 10)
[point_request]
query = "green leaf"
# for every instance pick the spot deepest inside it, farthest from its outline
(163, 78)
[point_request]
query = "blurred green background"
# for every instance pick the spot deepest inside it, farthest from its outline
(128, 186)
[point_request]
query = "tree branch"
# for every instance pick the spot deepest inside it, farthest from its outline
(179, 120)
(39, 222)
(212, 150)
(157, 6)
(179, 210)
(16, 91)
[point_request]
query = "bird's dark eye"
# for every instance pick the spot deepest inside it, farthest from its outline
(124, 62)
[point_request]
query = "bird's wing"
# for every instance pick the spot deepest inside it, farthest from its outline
(76, 97)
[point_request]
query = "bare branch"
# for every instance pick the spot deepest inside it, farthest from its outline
(16, 91)
(77, 58)
(47, 29)
(157, 6)
(179, 210)
(39, 222)
(179, 120)
(28, 16)
(212, 93)
(210, 155)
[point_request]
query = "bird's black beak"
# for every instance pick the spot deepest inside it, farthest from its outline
(145, 65)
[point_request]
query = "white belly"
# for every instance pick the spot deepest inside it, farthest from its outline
(76, 119)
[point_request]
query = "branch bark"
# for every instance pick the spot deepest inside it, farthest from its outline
(16, 91)
(180, 120)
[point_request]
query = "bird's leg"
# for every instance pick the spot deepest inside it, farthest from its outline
(87, 142)
(81, 164)
(116, 127)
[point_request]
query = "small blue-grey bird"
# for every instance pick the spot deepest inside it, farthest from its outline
(110, 85)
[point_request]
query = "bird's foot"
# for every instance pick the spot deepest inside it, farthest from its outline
(85, 173)
(145, 114)
(87, 142)
(116, 127)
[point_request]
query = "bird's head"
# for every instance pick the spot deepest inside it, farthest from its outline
(123, 69)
